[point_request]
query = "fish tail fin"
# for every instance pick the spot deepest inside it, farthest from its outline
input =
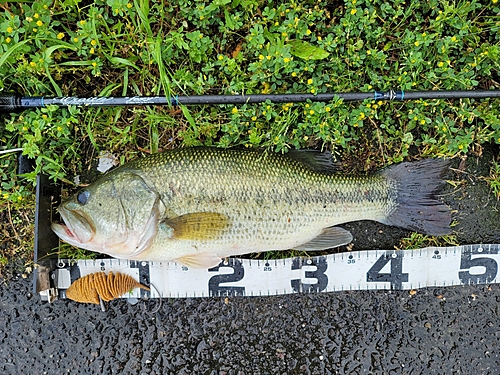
(416, 207)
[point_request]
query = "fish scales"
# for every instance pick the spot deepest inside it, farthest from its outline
(269, 199)
(213, 203)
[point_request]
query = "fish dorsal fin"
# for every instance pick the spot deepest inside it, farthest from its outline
(316, 160)
(202, 260)
(329, 237)
(198, 225)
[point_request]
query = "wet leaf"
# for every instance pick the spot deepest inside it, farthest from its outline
(307, 51)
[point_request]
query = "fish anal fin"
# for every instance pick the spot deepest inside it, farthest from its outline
(329, 238)
(203, 260)
(198, 226)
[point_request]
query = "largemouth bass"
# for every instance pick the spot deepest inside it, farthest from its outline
(198, 205)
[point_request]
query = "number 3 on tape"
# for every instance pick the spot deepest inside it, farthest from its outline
(315, 278)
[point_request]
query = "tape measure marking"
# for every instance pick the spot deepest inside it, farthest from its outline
(357, 270)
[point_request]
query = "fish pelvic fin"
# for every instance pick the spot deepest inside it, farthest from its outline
(198, 226)
(417, 208)
(329, 238)
(203, 260)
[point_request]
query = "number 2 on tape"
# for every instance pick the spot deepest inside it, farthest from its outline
(216, 289)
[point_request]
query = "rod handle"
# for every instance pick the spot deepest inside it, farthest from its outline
(10, 103)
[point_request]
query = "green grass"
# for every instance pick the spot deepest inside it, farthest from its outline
(186, 47)
(493, 179)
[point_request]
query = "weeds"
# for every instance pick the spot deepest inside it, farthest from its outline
(493, 179)
(193, 47)
(418, 241)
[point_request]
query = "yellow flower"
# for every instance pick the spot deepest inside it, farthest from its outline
(440, 64)
(60, 35)
(94, 64)
(129, 5)
(10, 29)
(220, 57)
(19, 198)
(33, 64)
(39, 23)
(311, 112)
(82, 22)
(92, 50)
(362, 116)
(93, 42)
(308, 32)
(416, 43)
(8, 40)
(286, 60)
(454, 39)
(422, 122)
(309, 81)
(75, 40)
(320, 38)
(328, 109)
(5, 195)
(353, 11)
(36, 15)
(254, 118)
(234, 110)
(261, 57)
(294, 74)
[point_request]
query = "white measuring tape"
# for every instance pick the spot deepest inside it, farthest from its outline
(356, 270)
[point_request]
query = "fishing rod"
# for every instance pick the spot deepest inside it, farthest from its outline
(16, 102)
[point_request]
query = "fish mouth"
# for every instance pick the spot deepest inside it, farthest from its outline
(75, 229)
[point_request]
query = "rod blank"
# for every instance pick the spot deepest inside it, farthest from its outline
(16, 103)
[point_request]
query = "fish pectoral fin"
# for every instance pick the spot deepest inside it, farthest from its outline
(203, 260)
(329, 237)
(198, 226)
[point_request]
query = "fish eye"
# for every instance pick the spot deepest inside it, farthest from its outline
(83, 197)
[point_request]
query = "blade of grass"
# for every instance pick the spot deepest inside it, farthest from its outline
(11, 50)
